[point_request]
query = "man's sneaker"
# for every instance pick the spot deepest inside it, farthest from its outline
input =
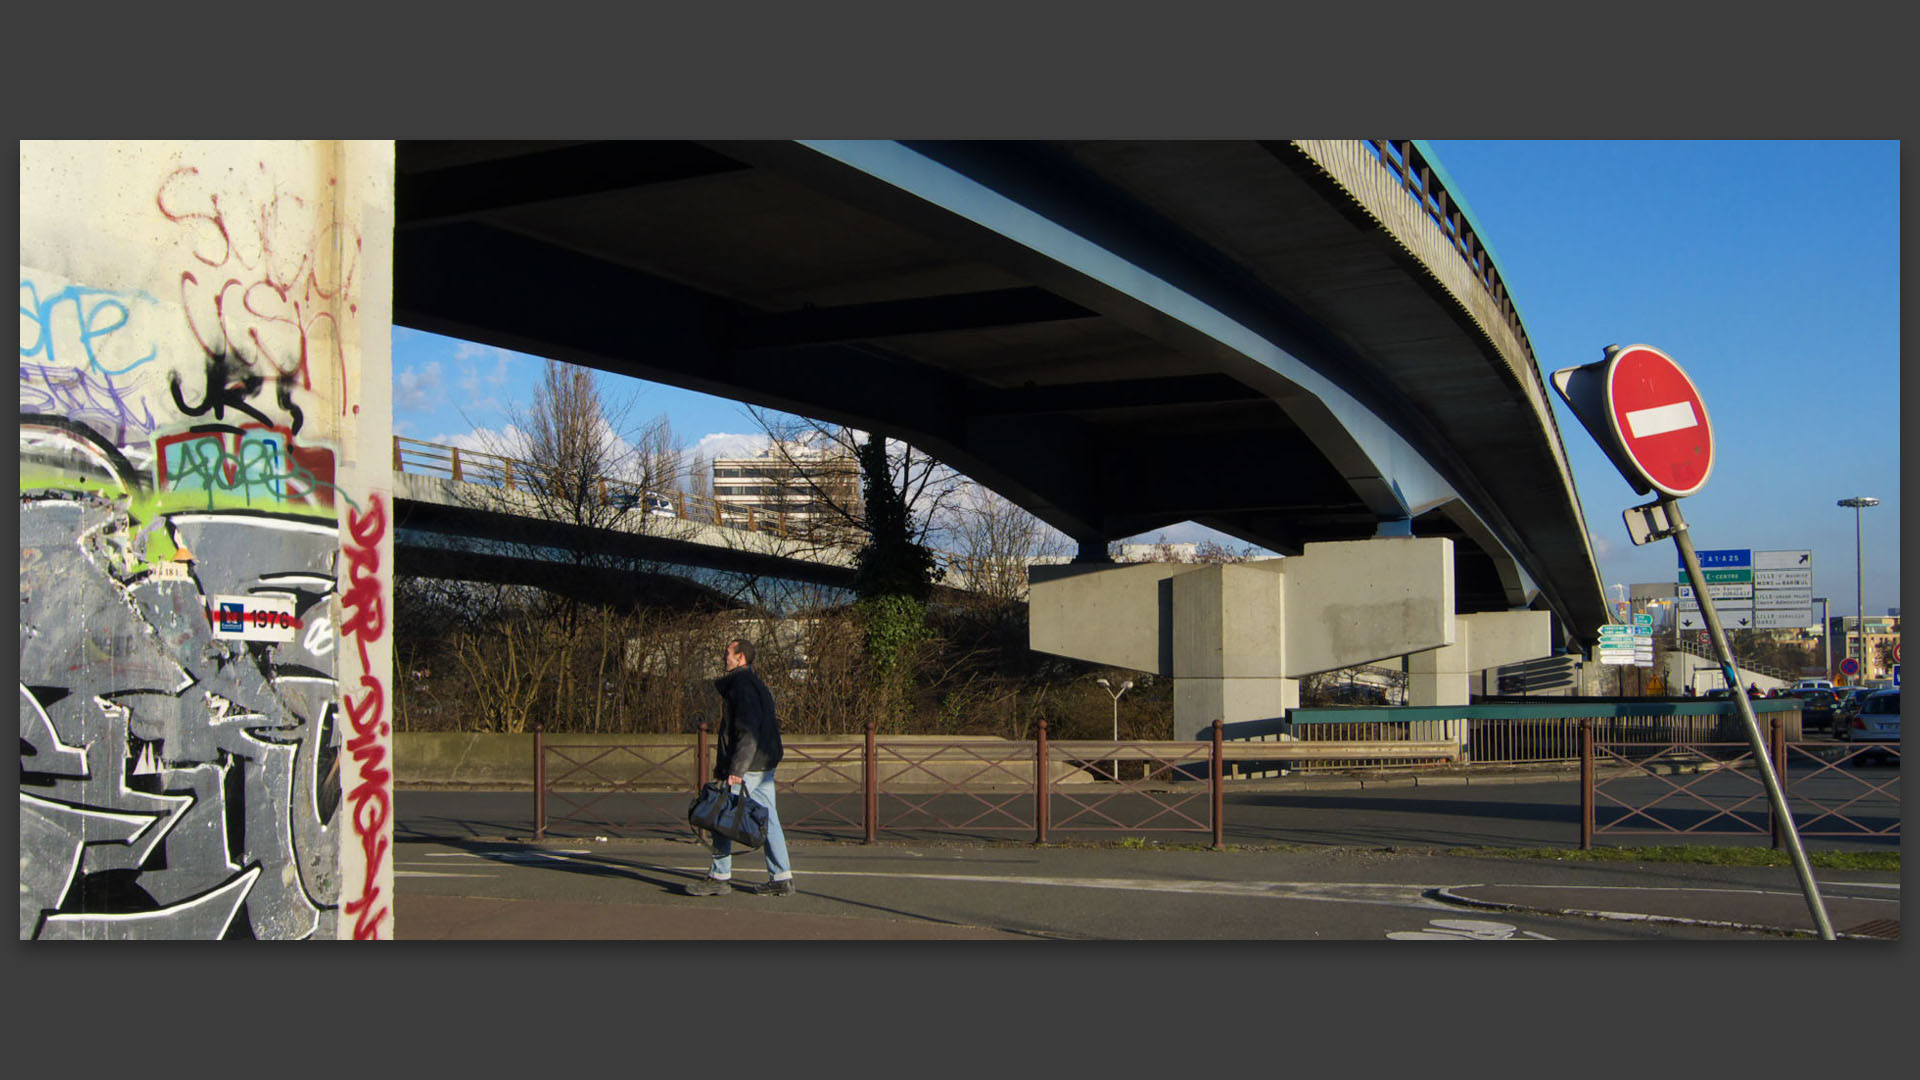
(711, 886)
(783, 887)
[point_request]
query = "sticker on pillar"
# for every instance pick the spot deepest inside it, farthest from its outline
(253, 618)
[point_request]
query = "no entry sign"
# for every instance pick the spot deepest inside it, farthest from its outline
(1659, 419)
(1647, 416)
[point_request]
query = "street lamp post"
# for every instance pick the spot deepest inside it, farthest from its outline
(1859, 503)
(1115, 694)
(1826, 638)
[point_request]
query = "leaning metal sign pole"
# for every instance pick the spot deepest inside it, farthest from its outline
(1649, 418)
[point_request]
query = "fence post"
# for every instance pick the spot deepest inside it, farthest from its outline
(398, 464)
(700, 759)
(1586, 783)
(1777, 746)
(539, 780)
(1219, 803)
(872, 783)
(1040, 783)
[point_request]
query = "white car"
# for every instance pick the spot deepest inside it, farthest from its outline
(1878, 719)
(1814, 684)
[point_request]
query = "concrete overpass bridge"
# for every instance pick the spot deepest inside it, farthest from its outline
(476, 516)
(1295, 342)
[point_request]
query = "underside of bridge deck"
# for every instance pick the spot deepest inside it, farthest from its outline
(774, 274)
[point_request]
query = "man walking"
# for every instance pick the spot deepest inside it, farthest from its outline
(747, 753)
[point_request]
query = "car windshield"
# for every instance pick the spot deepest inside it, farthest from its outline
(1883, 705)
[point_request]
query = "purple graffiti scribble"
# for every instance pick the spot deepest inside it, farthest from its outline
(86, 397)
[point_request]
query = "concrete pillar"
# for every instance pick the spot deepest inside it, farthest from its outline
(206, 538)
(1237, 637)
(1482, 640)
(1228, 643)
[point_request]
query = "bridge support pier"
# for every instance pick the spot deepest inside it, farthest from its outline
(1481, 640)
(1236, 638)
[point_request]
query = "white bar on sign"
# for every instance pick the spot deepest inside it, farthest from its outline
(1789, 578)
(1784, 619)
(1661, 419)
(1765, 598)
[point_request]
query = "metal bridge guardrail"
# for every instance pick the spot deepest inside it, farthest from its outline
(1518, 734)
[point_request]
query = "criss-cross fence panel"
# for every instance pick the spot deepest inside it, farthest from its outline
(1847, 791)
(1131, 787)
(954, 786)
(618, 787)
(1715, 788)
(822, 787)
(1676, 788)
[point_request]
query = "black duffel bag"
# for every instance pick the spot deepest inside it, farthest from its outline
(729, 814)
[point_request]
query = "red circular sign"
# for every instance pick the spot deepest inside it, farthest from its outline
(1659, 419)
(1849, 666)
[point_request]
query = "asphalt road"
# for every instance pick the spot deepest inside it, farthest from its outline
(1330, 860)
(634, 890)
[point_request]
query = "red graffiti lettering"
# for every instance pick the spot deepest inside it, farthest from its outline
(372, 796)
(367, 620)
(289, 268)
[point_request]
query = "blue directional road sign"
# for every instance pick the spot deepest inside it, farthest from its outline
(1723, 559)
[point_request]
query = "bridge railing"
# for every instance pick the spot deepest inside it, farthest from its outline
(1418, 178)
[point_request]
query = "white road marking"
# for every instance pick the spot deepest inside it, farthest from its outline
(1465, 930)
(431, 873)
(1389, 895)
(504, 856)
(1661, 419)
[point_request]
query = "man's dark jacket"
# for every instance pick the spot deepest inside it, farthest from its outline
(749, 734)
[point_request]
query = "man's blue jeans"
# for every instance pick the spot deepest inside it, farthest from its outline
(759, 787)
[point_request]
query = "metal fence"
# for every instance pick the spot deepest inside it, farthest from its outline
(957, 786)
(1715, 788)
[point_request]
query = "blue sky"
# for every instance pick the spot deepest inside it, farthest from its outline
(1770, 271)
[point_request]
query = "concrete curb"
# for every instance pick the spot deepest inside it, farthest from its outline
(1451, 897)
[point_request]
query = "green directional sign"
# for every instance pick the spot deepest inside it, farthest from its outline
(1716, 577)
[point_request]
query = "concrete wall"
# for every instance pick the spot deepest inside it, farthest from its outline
(205, 550)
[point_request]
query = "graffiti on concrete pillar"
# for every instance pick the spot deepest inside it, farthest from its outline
(372, 798)
(181, 721)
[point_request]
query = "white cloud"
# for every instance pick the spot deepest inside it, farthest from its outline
(1602, 547)
(722, 445)
(508, 441)
(417, 388)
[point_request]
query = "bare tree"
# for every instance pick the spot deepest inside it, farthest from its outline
(994, 541)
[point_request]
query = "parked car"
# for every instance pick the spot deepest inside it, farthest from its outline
(1878, 719)
(1813, 684)
(1816, 708)
(653, 502)
(1847, 706)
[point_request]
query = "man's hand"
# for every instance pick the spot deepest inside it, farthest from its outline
(733, 781)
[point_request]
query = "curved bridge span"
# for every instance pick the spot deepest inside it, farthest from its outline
(1289, 341)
